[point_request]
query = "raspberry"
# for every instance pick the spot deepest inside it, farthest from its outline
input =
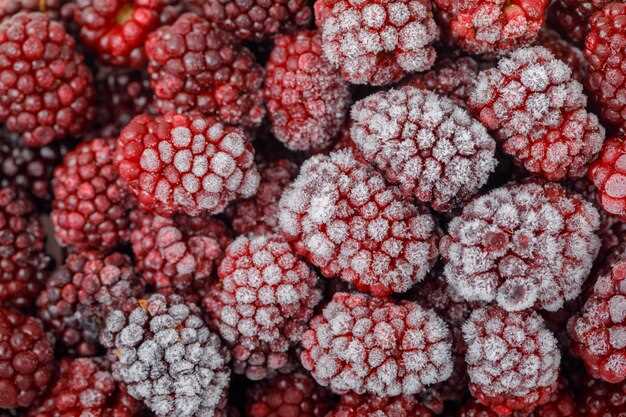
(259, 214)
(26, 359)
(307, 100)
(194, 66)
(537, 110)
(512, 359)
(605, 49)
(90, 206)
(427, 145)
(603, 400)
(608, 175)
(598, 332)
(262, 302)
(528, 245)
(564, 51)
(360, 344)
(186, 163)
(117, 29)
(369, 48)
(23, 261)
(570, 17)
(177, 254)
(46, 90)
(492, 26)
(370, 406)
(341, 216)
(291, 395)
(167, 357)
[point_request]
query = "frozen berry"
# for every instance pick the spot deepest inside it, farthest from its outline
(600, 399)
(307, 100)
(194, 66)
(528, 245)
(430, 147)
(342, 216)
(262, 302)
(512, 359)
(378, 42)
(186, 163)
(371, 406)
(571, 17)
(167, 357)
(561, 404)
(52, 8)
(564, 51)
(26, 359)
(537, 111)
(364, 345)
(46, 90)
(608, 174)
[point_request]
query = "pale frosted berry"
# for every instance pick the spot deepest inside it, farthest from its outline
(430, 147)
(378, 41)
(372, 406)
(608, 174)
(537, 111)
(528, 245)
(512, 359)
(262, 302)
(342, 216)
(167, 357)
(364, 345)
(185, 163)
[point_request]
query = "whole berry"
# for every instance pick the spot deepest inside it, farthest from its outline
(600, 399)
(430, 147)
(527, 245)
(194, 66)
(343, 218)
(262, 302)
(307, 100)
(608, 174)
(378, 42)
(571, 17)
(364, 345)
(372, 406)
(536, 109)
(185, 163)
(26, 359)
(167, 357)
(46, 90)
(512, 359)
(91, 204)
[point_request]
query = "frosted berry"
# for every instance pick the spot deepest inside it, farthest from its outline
(91, 204)
(565, 51)
(186, 163)
(378, 42)
(528, 245)
(194, 66)
(512, 359)
(537, 111)
(430, 147)
(571, 17)
(371, 406)
(262, 302)
(600, 399)
(343, 218)
(307, 100)
(364, 345)
(608, 174)
(46, 90)
(26, 359)
(167, 357)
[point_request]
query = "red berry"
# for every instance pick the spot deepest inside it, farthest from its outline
(608, 174)
(571, 17)
(51, 8)
(186, 163)
(600, 399)
(370, 406)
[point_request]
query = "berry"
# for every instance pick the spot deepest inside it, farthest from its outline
(492, 26)
(307, 100)
(528, 245)
(537, 111)
(26, 359)
(52, 8)
(91, 204)
(23, 261)
(117, 29)
(259, 214)
(512, 359)
(600, 399)
(427, 145)
(262, 302)
(371, 406)
(194, 66)
(46, 90)
(608, 174)
(564, 51)
(186, 163)
(570, 17)
(561, 404)
(605, 49)
(369, 48)
(364, 345)
(167, 357)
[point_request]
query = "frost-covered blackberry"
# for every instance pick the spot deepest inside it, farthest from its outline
(427, 145)
(522, 246)
(167, 357)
